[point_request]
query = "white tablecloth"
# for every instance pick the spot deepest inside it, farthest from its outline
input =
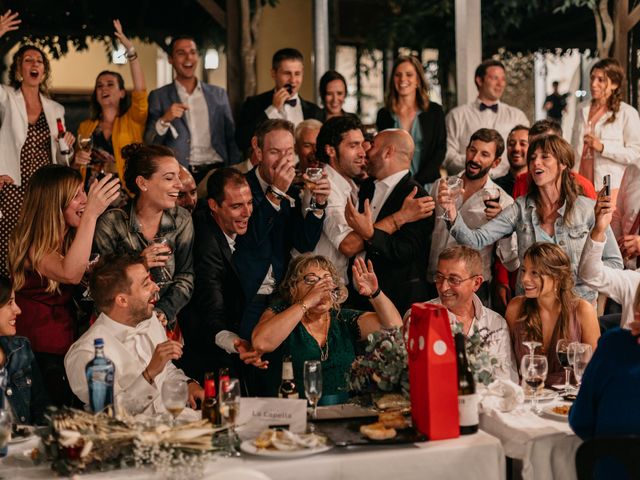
(546, 447)
(479, 456)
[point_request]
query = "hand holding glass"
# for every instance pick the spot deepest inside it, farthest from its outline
(313, 175)
(161, 275)
(454, 190)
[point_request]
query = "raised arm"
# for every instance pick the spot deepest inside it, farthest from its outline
(132, 56)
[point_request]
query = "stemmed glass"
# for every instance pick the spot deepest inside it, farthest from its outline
(532, 345)
(175, 394)
(313, 384)
(161, 275)
(313, 175)
(229, 409)
(85, 143)
(93, 259)
(490, 194)
(579, 356)
(455, 190)
(562, 351)
(534, 371)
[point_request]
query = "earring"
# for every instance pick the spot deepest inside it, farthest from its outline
(19, 77)
(144, 189)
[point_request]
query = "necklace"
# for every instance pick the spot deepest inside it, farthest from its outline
(324, 349)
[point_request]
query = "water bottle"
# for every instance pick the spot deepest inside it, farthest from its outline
(100, 376)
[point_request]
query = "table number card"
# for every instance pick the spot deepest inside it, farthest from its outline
(259, 413)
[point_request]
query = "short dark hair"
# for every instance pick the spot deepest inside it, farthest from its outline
(471, 257)
(125, 102)
(109, 278)
(174, 40)
(555, 83)
(6, 287)
(219, 179)
(481, 70)
(542, 127)
(330, 76)
(489, 135)
(269, 126)
(285, 54)
(332, 133)
(140, 160)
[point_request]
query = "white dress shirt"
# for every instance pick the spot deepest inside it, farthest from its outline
(465, 120)
(293, 114)
(472, 212)
(130, 349)
(500, 346)
(382, 191)
(627, 208)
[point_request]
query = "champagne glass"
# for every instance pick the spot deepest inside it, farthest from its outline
(229, 409)
(175, 394)
(532, 345)
(562, 351)
(161, 275)
(534, 372)
(455, 190)
(579, 355)
(313, 384)
(314, 174)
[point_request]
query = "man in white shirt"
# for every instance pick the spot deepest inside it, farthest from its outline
(485, 112)
(192, 117)
(483, 153)
(134, 339)
(458, 278)
(283, 102)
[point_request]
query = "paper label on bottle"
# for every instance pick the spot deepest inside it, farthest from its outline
(287, 371)
(468, 410)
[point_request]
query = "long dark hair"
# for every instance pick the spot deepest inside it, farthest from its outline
(125, 102)
(614, 72)
(140, 160)
(6, 287)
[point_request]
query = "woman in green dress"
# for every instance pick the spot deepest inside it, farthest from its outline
(308, 323)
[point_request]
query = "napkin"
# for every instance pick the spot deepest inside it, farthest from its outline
(502, 395)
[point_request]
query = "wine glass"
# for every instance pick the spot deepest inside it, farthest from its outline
(534, 372)
(85, 143)
(579, 356)
(313, 384)
(314, 174)
(490, 194)
(175, 394)
(229, 409)
(455, 190)
(161, 275)
(562, 351)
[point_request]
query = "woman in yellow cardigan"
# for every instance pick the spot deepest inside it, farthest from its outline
(117, 119)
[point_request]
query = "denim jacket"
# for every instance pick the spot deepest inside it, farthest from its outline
(521, 217)
(25, 388)
(119, 231)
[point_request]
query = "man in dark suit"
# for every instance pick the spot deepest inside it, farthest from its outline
(282, 102)
(218, 302)
(398, 254)
(192, 117)
(278, 224)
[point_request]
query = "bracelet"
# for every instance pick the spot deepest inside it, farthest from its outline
(304, 307)
(321, 206)
(375, 294)
(131, 52)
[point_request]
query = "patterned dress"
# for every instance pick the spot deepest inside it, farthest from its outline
(35, 153)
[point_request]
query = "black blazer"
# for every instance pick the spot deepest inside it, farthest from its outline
(434, 140)
(217, 303)
(400, 260)
(252, 114)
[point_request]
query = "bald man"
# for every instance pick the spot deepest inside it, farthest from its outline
(188, 196)
(398, 250)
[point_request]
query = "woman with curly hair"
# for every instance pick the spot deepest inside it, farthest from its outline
(308, 323)
(407, 106)
(28, 129)
(605, 132)
(549, 310)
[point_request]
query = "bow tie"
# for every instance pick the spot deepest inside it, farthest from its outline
(293, 102)
(493, 107)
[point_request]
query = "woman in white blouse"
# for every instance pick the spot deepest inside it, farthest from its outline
(605, 132)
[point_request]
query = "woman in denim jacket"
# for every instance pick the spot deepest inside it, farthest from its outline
(554, 211)
(19, 373)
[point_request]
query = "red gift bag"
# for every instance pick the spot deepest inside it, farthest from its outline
(433, 374)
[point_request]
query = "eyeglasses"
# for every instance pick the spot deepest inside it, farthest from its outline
(312, 278)
(453, 281)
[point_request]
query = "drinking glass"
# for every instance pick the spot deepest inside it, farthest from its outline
(161, 275)
(562, 351)
(532, 345)
(175, 394)
(85, 143)
(93, 259)
(534, 372)
(313, 384)
(579, 356)
(313, 175)
(455, 190)
(490, 194)
(229, 409)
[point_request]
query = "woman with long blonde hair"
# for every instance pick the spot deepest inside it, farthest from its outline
(549, 310)
(48, 254)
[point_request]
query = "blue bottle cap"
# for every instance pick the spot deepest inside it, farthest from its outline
(98, 342)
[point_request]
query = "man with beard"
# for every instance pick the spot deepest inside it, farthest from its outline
(517, 144)
(483, 154)
(134, 339)
(188, 195)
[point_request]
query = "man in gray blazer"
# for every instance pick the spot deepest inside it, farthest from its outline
(192, 117)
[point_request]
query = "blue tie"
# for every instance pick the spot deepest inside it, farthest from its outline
(493, 107)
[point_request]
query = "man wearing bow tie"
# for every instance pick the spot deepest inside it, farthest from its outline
(134, 339)
(487, 111)
(283, 102)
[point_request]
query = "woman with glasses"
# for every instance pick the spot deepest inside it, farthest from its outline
(308, 323)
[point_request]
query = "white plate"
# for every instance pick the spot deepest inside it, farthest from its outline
(546, 396)
(548, 410)
(30, 428)
(248, 447)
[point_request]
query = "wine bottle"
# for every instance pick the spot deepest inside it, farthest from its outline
(100, 376)
(288, 385)
(64, 147)
(467, 398)
(210, 404)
